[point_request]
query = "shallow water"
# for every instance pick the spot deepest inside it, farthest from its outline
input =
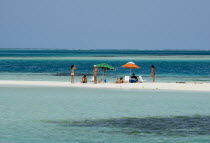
(82, 115)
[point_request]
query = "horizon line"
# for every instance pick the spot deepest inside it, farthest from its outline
(77, 49)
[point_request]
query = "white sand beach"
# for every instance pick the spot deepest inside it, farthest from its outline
(191, 86)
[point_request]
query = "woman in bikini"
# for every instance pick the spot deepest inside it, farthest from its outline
(153, 73)
(95, 72)
(72, 73)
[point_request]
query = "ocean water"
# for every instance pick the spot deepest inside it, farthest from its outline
(72, 115)
(81, 115)
(54, 65)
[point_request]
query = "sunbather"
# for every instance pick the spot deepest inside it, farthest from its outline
(120, 80)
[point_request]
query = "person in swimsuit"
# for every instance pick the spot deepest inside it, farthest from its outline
(84, 79)
(95, 72)
(120, 80)
(153, 73)
(72, 73)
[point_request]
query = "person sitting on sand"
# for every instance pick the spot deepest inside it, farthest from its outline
(134, 77)
(84, 79)
(120, 80)
(101, 81)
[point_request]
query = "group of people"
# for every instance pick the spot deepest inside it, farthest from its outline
(95, 73)
(84, 77)
(135, 78)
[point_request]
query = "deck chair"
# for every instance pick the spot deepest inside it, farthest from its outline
(127, 78)
(92, 79)
(141, 79)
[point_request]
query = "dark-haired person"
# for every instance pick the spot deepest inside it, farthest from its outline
(84, 79)
(120, 80)
(73, 67)
(134, 77)
(153, 73)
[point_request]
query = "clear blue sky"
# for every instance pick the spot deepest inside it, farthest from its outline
(105, 24)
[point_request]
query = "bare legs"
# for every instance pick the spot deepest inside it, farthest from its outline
(72, 79)
(153, 78)
(95, 78)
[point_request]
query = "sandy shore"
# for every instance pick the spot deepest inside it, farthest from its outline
(161, 86)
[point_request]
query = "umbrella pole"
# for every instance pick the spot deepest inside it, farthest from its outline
(104, 73)
(130, 71)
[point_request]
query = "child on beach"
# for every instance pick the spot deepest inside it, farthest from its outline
(101, 81)
(84, 79)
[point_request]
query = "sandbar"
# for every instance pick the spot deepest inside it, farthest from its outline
(188, 86)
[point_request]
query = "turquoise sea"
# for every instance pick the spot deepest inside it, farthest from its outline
(80, 115)
(75, 115)
(54, 65)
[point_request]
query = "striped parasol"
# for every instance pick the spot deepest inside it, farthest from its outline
(130, 65)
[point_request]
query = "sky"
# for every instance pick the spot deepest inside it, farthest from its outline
(105, 24)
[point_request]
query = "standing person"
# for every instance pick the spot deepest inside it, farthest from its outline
(95, 72)
(153, 73)
(73, 67)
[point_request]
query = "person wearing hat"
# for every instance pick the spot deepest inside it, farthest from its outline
(95, 72)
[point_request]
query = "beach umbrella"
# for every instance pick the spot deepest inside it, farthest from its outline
(130, 65)
(105, 67)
